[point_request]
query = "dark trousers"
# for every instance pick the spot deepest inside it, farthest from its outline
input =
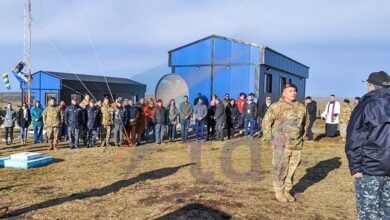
(91, 137)
(149, 128)
(230, 130)
(199, 129)
(219, 129)
(210, 129)
(240, 120)
(38, 137)
(248, 121)
(185, 125)
(73, 137)
(9, 133)
(331, 130)
(309, 130)
(118, 134)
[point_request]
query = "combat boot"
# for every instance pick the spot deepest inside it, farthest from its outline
(289, 197)
(281, 197)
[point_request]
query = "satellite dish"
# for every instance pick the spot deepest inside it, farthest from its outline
(171, 86)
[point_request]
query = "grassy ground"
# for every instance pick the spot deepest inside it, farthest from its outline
(176, 181)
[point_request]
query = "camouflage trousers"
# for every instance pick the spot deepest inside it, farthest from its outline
(343, 129)
(285, 162)
(106, 133)
(373, 197)
(52, 135)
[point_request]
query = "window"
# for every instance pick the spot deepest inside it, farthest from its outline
(268, 83)
(283, 82)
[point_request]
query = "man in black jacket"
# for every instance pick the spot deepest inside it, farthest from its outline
(94, 117)
(133, 114)
(73, 118)
(250, 114)
(311, 107)
(220, 118)
(368, 149)
(120, 122)
(160, 120)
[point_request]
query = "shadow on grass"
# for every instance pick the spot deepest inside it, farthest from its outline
(316, 173)
(114, 187)
(196, 211)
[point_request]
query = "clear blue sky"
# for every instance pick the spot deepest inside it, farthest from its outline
(342, 41)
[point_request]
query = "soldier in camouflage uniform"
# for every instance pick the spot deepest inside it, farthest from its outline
(284, 127)
(84, 130)
(52, 120)
(107, 121)
(344, 118)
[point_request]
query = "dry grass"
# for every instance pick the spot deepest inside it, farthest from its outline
(173, 181)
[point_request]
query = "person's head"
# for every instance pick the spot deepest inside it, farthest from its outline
(268, 99)
(232, 102)
(172, 102)
(308, 100)
(185, 98)
(159, 103)
(332, 98)
(199, 94)
(200, 101)
(62, 103)
(131, 102)
(87, 97)
(126, 102)
(106, 101)
(242, 95)
(378, 80)
(290, 92)
(74, 101)
(142, 101)
(217, 101)
(91, 103)
(9, 106)
(251, 96)
(356, 100)
(37, 104)
(119, 102)
(52, 102)
(214, 97)
(227, 96)
(346, 102)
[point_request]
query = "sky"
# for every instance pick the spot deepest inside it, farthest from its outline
(341, 41)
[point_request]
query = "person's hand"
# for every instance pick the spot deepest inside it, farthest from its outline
(358, 175)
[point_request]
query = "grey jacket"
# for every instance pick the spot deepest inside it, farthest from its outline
(220, 115)
(200, 111)
(9, 118)
(173, 115)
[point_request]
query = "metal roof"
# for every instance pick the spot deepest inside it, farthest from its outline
(90, 78)
(237, 41)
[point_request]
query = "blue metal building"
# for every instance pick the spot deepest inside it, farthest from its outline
(64, 86)
(219, 65)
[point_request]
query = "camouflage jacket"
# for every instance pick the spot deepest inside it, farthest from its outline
(345, 114)
(107, 115)
(51, 116)
(285, 123)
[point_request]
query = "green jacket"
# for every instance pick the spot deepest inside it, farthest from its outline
(36, 116)
(185, 110)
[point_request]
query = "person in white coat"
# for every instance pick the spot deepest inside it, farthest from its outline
(331, 115)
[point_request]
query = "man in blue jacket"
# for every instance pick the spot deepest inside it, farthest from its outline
(93, 122)
(368, 149)
(73, 118)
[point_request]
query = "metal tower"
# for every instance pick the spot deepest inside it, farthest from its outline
(27, 36)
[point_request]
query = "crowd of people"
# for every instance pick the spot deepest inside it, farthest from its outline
(124, 122)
